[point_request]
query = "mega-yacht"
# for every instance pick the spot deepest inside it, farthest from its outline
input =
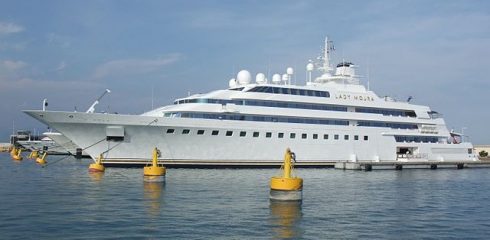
(331, 118)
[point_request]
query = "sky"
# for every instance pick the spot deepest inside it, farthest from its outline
(149, 53)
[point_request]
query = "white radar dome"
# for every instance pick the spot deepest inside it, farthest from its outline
(290, 71)
(260, 78)
(276, 78)
(232, 83)
(310, 67)
(243, 77)
(285, 77)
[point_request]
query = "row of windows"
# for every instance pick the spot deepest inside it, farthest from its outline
(387, 125)
(269, 134)
(261, 118)
(418, 139)
(387, 112)
(261, 103)
(290, 91)
(310, 106)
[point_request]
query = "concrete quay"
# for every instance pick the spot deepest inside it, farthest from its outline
(400, 165)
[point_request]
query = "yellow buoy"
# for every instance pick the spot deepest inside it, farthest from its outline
(33, 155)
(16, 154)
(42, 160)
(154, 173)
(287, 187)
(97, 166)
(13, 152)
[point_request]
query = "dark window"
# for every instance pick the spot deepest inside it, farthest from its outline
(186, 131)
(280, 135)
(315, 136)
(356, 137)
(214, 132)
(292, 135)
(366, 138)
(346, 137)
(268, 134)
(170, 130)
(304, 136)
(243, 134)
(256, 134)
(291, 91)
(200, 132)
(325, 136)
(336, 137)
(229, 133)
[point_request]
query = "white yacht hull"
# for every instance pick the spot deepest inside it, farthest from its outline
(143, 133)
(68, 145)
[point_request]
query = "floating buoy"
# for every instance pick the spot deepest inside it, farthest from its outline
(154, 173)
(97, 166)
(16, 154)
(33, 155)
(42, 160)
(287, 187)
(13, 152)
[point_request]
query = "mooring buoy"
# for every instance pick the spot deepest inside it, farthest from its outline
(97, 166)
(287, 187)
(33, 155)
(42, 160)
(154, 173)
(16, 154)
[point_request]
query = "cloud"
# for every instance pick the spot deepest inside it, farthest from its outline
(60, 40)
(133, 66)
(11, 65)
(7, 28)
(10, 69)
(61, 66)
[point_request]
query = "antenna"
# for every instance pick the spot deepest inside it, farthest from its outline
(152, 90)
(326, 68)
(368, 76)
(309, 68)
(92, 108)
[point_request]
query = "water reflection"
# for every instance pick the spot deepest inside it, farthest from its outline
(96, 177)
(153, 194)
(286, 217)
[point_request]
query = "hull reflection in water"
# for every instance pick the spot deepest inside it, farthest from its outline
(286, 218)
(286, 195)
(153, 195)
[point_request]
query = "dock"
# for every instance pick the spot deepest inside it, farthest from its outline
(400, 165)
(5, 147)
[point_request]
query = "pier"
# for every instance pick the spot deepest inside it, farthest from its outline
(400, 165)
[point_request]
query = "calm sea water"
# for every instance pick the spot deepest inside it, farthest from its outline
(63, 201)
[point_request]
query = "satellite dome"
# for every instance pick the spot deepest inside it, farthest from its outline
(232, 83)
(310, 67)
(285, 77)
(276, 78)
(243, 77)
(290, 71)
(260, 78)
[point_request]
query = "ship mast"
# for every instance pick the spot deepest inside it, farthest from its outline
(326, 69)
